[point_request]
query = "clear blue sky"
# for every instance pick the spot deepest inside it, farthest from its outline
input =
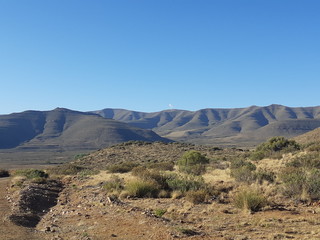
(151, 55)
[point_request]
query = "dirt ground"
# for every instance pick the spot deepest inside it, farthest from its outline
(85, 212)
(9, 231)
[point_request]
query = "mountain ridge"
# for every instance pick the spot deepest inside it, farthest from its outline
(62, 128)
(232, 126)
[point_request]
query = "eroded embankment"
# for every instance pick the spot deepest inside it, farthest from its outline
(9, 230)
(34, 201)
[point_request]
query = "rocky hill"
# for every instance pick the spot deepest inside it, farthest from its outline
(66, 130)
(237, 126)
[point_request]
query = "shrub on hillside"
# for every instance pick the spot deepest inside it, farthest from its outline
(151, 175)
(262, 175)
(193, 162)
(122, 167)
(31, 173)
(251, 200)
(313, 185)
(242, 170)
(140, 188)
(274, 148)
(67, 169)
(308, 160)
(113, 184)
(197, 196)
(185, 183)
(160, 212)
(294, 181)
(162, 166)
(243, 174)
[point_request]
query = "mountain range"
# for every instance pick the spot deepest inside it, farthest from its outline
(65, 129)
(231, 127)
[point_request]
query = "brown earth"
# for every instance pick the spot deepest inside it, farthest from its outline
(85, 212)
(8, 230)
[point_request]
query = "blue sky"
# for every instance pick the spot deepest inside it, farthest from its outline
(151, 55)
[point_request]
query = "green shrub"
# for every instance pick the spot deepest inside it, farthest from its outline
(294, 181)
(274, 148)
(238, 163)
(251, 200)
(39, 180)
(4, 173)
(122, 167)
(151, 175)
(67, 169)
(31, 173)
(276, 144)
(193, 162)
(114, 184)
(257, 155)
(313, 184)
(192, 158)
(265, 175)
(162, 166)
(243, 174)
(140, 188)
(242, 170)
(160, 212)
(197, 196)
(309, 160)
(185, 183)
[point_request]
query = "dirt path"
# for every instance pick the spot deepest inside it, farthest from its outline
(8, 230)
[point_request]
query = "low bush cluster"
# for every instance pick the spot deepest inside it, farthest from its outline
(251, 200)
(67, 169)
(274, 148)
(31, 173)
(193, 162)
(114, 184)
(301, 184)
(122, 167)
(154, 183)
(308, 160)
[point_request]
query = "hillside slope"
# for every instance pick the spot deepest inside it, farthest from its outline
(238, 126)
(309, 137)
(66, 129)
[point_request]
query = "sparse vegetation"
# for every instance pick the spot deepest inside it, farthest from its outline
(162, 166)
(122, 167)
(114, 184)
(193, 162)
(140, 188)
(67, 169)
(294, 181)
(251, 200)
(242, 170)
(274, 148)
(32, 173)
(309, 160)
(159, 212)
(185, 183)
(197, 196)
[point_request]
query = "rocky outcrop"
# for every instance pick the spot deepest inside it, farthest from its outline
(34, 201)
